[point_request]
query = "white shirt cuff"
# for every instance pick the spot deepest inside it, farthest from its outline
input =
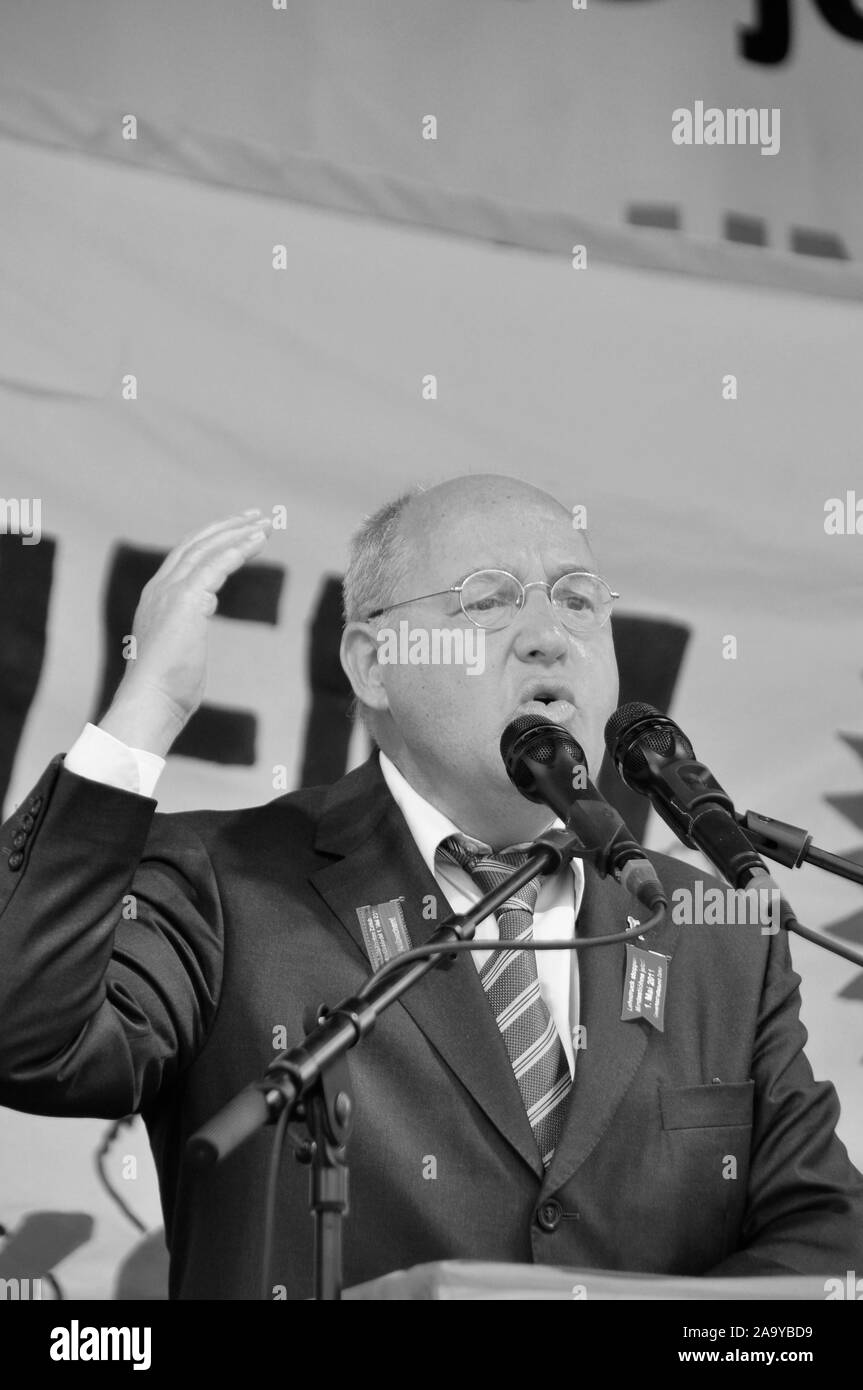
(100, 757)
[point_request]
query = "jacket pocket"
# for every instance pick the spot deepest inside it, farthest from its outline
(724, 1103)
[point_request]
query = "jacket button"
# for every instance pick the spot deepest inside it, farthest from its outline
(27, 822)
(15, 860)
(19, 838)
(549, 1214)
(35, 805)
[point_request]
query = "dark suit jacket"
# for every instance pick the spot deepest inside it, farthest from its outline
(246, 918)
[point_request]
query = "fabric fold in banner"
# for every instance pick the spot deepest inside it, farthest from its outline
(615, 165)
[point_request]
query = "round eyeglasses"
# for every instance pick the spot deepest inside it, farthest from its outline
(491, 599)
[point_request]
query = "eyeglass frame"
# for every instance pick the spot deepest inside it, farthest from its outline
(534, 584)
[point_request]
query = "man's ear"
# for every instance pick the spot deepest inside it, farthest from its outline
(359, 657)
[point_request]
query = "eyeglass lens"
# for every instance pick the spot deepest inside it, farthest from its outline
(491, 598)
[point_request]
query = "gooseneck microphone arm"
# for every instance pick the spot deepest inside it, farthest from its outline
(789, 845)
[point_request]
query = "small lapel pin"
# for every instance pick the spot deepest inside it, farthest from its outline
(384, 931)
(645, 985)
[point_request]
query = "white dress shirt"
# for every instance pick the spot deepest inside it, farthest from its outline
(554, 918)
(102, 758)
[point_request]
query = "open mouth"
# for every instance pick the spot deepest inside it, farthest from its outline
(549, 702)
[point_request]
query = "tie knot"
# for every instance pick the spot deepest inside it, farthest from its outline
(489, 868)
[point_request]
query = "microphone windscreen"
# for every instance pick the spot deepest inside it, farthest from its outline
(636, 726)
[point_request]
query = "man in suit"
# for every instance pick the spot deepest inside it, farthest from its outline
(505, 1109)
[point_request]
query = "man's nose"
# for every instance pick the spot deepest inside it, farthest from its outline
(540, 632)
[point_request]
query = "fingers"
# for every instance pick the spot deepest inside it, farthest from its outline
(247, 517)
(199, 545)
(217, 562)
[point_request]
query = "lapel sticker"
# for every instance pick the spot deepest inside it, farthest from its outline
(384, 931)
(645, 985)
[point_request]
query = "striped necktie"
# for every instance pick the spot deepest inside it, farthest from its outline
(511, 984)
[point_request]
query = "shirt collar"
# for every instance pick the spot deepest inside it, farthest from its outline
(427, 824)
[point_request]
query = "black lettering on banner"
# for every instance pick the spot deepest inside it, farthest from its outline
(769, 39)
(649, 656)
(328, 727)
(769, 42)
(739, 227)
(843, 16)
(649, 650)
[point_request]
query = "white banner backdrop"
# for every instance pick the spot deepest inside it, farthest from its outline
(534, 122)
(301, 387)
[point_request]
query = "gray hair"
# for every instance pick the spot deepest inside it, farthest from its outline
(378, 563)
(377, 560)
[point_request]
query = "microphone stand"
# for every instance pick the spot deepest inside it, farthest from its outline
(791, 846)
(310, 1081)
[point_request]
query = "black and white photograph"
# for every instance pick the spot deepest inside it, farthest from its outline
(431, 660)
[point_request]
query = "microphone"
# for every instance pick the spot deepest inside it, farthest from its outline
(653, 756)
(548, 766)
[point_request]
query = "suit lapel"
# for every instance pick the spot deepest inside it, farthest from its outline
(378, 860)
(614, 1049)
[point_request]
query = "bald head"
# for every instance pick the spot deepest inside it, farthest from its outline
(480, 513)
